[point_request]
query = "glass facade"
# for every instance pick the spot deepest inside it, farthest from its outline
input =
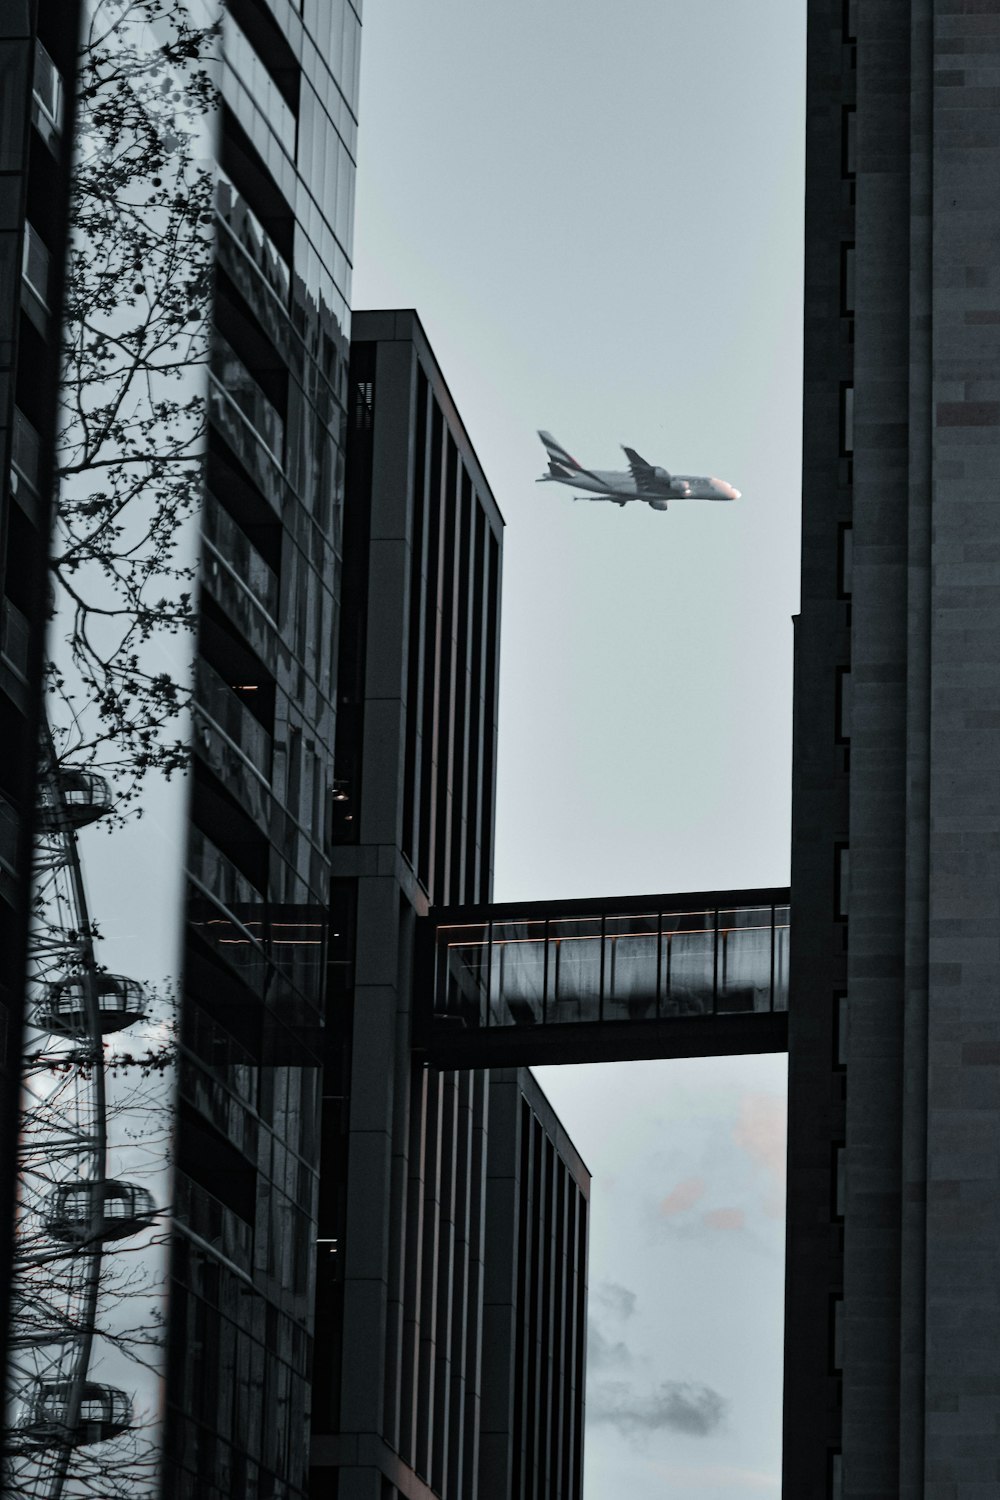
(248, 152)
(610, 965)
(242, 1296)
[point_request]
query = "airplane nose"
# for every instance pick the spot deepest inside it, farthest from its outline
(736, 494)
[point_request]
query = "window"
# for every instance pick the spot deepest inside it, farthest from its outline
(47, 87)
(843, 705)
(249, 85)
(241, 388)
(840, 1024)
(261, 28)
(845, 560)
(251, 235)
(841, 859)
(847, 280)
(836, 1482)
(839, 1180)
(363, 405)
(35, 264)
(847, 419)
(848, 141)
(25, 448)
(837, 1333)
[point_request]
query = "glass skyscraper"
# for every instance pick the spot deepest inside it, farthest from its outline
(209, 168)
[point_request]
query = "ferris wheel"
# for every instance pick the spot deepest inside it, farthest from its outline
(69, 1209)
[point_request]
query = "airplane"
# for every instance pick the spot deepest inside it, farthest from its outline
(643, 481)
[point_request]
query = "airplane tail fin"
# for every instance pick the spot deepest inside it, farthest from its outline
(561, 464)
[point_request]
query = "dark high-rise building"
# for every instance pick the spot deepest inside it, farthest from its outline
(247, 1132)
(202, 416)
(534, 1298)
(440, 1191)
(893, 1356)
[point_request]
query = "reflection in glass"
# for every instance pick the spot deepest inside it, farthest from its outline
(47, 87)
(517, 973)
(25, 448)
(574, 969)
(216, 699)
(613, 967)
(243, 391)
(35, 263)
(782, 933)
(688, 963)
(744, 967)
(631, 945)
(463, 974)
(245, 227)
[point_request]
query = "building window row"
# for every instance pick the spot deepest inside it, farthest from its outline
(247, 74)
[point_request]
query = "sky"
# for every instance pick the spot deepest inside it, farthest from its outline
(597, 212)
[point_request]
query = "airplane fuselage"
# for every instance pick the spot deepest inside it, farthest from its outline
(642, 481)
(620, 485)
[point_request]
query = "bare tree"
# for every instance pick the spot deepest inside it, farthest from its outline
(135, 351)
(135, 348)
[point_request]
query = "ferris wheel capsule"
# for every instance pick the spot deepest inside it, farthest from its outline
(104, 1412)
(73, 797)
(64, 1010)
(79, 1212)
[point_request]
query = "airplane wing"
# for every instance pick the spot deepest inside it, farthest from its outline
(642, 472)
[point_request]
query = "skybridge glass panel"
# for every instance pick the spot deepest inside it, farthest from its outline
(463, 973)
(743, 981)
(631, 964)
(517, 974)
(688, 963)
(782, 934)
(573, 969)
(551, 968)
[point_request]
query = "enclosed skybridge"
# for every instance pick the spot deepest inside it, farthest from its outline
(694, 975)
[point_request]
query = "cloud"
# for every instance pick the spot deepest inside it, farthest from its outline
(616, 1300)
(602, 1354)
(724, 1218)
(675, 1406)
(684, 1196)
(761, 1131)
(711, 1476)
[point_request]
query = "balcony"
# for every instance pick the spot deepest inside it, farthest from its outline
(252, 238)
(15, 637)
(246, 419)
(10, 831)
(233, 564)
(239, 387)
(35, 260)
(590, 981)
(25, 451)
(217, 701)
(47, 99)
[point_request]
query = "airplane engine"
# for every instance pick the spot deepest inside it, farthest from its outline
(658, 504)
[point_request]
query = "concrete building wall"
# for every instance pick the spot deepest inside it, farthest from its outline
(821, 765)
(400, 1299)
(915, 1335)
(535, 1302)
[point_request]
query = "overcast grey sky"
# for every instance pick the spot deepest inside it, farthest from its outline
(597, 211)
